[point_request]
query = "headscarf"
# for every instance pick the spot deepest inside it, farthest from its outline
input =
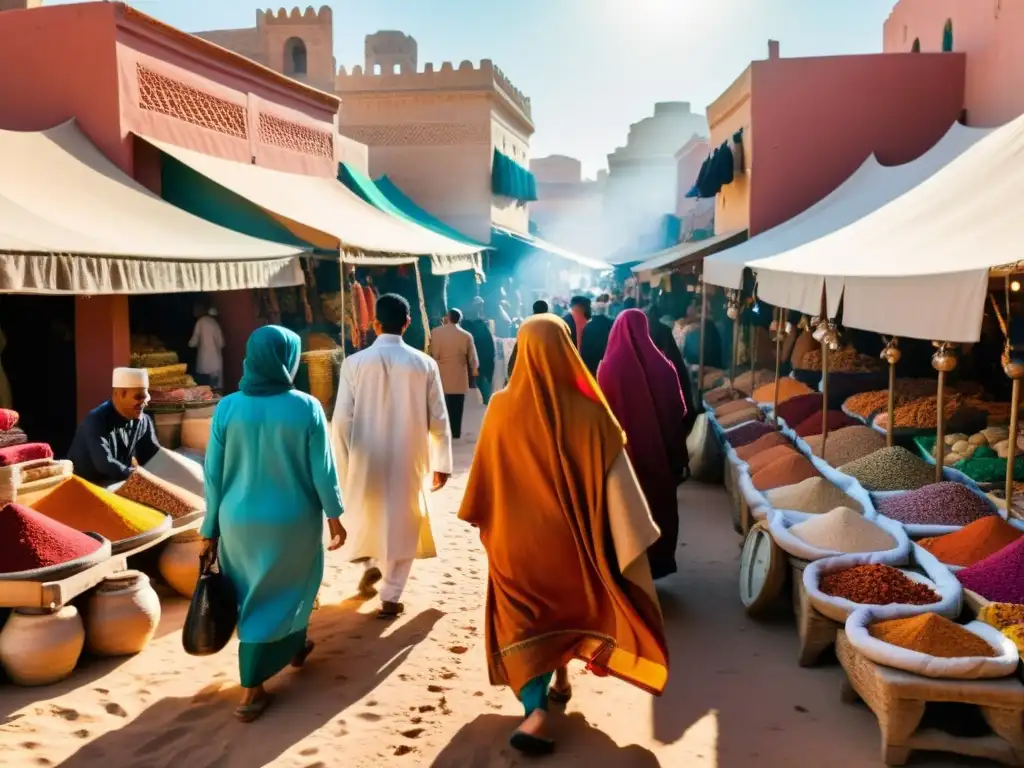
(643, 390)
(538, 493)
(271, 361)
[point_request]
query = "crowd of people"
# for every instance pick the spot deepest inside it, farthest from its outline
(577, 463)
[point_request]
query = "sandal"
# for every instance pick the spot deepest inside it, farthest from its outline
(390, 611)
(367, 584)
(247, 713)
(301, 656)
(558, 696)
(533, 746)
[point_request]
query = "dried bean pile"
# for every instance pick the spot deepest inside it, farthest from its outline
(748, 433)
(811, 426)
(732, 407)
(876, 585)
(890, 469)
(788, 389)
(796, 409)
(932, 635)
(999, 577)
(785, 471)
(866, 404)
(972, 543)
(719, 395)
(847, 360)
(815, 496)
(763, 443)
(944, 503)
(847, 444)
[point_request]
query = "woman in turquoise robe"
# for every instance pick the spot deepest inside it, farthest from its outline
(270, 480)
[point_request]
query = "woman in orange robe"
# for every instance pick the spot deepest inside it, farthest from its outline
(566, 530)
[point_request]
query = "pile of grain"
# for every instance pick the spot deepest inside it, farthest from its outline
(732, 407)
(756, 463)
(811, 426)
(932, 635)
(788, 389)
(740, 416)
(999, 577)
(815, 496)
(787, 470)
(936, 504)
(843, 530)
(87, 507)
(847, 360)
(772, 439)
(972, 543)
(923, 413)
(847, 444)
(29, 540)
(748, 382)
(719, 395)
(748, 433)
(890, 469)
(799, 408)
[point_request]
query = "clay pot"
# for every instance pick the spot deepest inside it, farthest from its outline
(179, 562)
(122, 615)
(41, 648)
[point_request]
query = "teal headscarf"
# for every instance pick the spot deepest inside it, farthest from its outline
(271, 361)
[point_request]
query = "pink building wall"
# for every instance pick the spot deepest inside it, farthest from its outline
(989, 32)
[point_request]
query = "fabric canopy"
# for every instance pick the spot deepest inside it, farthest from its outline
(870, 187)
(406, 205)
(688, 252)
(72, 222)
(314, 204)
(919, 266)
(551, 248)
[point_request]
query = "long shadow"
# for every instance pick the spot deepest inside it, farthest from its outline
(350, 660)
(483, 743)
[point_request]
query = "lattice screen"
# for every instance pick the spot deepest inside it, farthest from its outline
(296, 137)
(173, 98)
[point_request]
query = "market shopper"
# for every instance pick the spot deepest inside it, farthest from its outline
(486, 350)
(579, 315)
(594, 339)
(642, 389)
(566, 535)
(390, 430)
(118, 435)
(270, 481)
(661, 335)
(455, 352)
(208, 342)
(540, 307)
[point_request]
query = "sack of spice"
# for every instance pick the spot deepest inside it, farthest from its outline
(841, 531)
(937, 508)
(931, 645)
(837, 586)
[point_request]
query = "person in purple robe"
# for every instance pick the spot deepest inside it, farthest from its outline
(642, 389)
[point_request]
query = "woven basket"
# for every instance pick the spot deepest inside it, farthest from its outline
(320, 364)
(154, 359)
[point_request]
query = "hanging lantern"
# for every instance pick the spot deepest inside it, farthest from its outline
(891, 353)
(820, 329)
(831, 337)
(733, 309)
(944, 359)
(804, 323)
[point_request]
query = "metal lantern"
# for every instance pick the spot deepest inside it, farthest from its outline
(891, 354)
(944, 359)
(831, 337)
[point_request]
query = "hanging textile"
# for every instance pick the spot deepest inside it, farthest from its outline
(510, 179)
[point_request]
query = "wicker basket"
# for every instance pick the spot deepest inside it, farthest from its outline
(320, 364)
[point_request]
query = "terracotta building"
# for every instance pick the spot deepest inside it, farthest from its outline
(988, 32)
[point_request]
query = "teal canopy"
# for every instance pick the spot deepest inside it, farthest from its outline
(411, 210)
(364, 186)
(510, 179)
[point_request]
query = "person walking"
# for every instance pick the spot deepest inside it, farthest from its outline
(566, 530)
(540, 307)
(486, 354)
(643, 392)
(594, 339)
(390, 430)
(208, 341)
(455, 352)
(661, 335)
(270, 481)
(577, 318)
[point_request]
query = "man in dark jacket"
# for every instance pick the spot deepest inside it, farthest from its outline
(595, 334)
(663, 339)
(477, 327)
(579, 315)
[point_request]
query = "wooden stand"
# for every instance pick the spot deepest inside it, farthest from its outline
(817, 633)
(898, 700)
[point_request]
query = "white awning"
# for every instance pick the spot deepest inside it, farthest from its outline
(919, 266)
(690, 251)
(869, 187)
(72, 222)
(327, 206)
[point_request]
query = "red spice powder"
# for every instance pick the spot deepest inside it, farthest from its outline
(812, 424)
(763, 459)
(876, 585)
(972, 543)
(735, 405)
(788, 470)
(29, 540)
(772, 439)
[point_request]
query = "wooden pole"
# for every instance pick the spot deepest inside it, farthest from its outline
(1011, 449)
(824, 394)
(344, 325)
(703, 326)
(735, 350)
(778, 365)
(940, 434)
(892, 404)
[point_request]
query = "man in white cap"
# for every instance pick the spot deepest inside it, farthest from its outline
(118, 435)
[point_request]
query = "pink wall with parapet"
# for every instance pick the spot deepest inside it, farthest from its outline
(989, 32)
(815, 120)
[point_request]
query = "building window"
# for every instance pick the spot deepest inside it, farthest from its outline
(295, 57)
(916, 47)
(947, 36)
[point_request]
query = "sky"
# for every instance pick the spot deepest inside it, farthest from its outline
(590, 67)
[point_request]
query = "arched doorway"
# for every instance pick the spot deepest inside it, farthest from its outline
(295, 56)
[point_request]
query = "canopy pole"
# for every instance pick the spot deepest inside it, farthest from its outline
(1011, 448)
(824, 394)
(752, 354)
(891, 354)
(943, 361)
(778, 364)
(703, 326)
(344, 324)
(734, 310)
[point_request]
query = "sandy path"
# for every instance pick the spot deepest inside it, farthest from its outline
(415, 693)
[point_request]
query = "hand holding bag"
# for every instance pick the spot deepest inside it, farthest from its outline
(213, 612)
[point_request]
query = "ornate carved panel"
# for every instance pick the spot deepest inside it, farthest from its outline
(296, 137)
(419, 134)
(174, 98)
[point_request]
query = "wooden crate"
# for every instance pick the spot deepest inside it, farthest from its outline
(54, 595)
(817, 633)
(898, 700)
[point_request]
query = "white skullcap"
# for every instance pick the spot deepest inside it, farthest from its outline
(130, 378)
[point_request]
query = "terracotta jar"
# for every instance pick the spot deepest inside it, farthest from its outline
(122, 615)
(38, 647)
(179, 562)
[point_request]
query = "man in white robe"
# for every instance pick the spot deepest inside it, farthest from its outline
(390, 432)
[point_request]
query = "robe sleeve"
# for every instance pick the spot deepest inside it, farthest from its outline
(196, 333)
(148, 445)
(321, 458)
(341, 422)
(103, 455)
(213, 478)
(440, 429)
(632, 527)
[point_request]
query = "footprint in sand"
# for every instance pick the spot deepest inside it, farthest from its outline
(427, 708)
(413, 733)
(82, 734)
(310, 752)
(458, 650)
(115, 709)
(435, 689)
(369, 717)
(404, 749)
(29, 745)
(447, 675)
(66, 714)
(101, 691)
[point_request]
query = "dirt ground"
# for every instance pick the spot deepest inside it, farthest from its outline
(415, 692)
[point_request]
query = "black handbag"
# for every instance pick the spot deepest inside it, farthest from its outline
(213, 612)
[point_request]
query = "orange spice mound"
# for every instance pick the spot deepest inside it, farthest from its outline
(788, 389)
(933, 635)
(764, 443)
(972, 543)
(756, 463)
(87, 507)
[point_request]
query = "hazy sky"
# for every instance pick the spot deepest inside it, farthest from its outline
(591, 67)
